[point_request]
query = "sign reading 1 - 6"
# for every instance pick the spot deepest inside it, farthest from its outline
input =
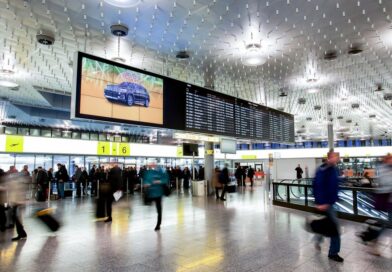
(103, 148)
(114, 149)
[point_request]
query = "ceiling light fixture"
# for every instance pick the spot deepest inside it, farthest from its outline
(6, 72)
(253, 55)
(8, 84)
(313, 90)
(123, 3)
(311, 80)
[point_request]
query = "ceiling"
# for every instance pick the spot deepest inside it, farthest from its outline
(294, 36)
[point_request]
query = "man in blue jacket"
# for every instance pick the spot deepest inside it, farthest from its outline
(325, 189)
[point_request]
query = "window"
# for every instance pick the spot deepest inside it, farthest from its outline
(124, 139)
(46, 161)
(21, 160)
(6, 160)
(46, 133)
(23, 131)
(66, 134)
(117, 138)
(11, 130)
(94, 136)
(56, 133)
(35, 132)
(75, 135)
(62, 160)
(85, 136)
(102, 137)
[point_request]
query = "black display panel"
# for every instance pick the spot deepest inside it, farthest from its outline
(211, 112)
(190, 149)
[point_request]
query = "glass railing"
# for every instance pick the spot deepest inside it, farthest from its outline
(355, 203)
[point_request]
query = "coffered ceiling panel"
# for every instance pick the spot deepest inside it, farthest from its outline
(323, 61)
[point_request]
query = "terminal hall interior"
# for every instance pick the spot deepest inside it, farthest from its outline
(195, 135)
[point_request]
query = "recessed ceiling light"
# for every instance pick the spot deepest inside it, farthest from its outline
(253, 55)
(118, 59)
(8, 84)
(311, 80)
(313, 90)
(123, 3)
(7, 72)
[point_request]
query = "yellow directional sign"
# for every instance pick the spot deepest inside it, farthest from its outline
(124, 149)
(180, 152)
(103, 148)
(14, 143)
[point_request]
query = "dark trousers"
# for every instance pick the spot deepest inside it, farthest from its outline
(2, 217)
(217, 191)
(334, 246)
(224, 190)
(251, 181)
(18, 222)
(158, 205)
(109, 201)
(78, 189)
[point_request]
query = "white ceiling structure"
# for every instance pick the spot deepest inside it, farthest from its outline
(289, 37)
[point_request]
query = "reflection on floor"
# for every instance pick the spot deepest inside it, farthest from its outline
(245, 233)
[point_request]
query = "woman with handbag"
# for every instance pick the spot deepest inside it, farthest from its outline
(156, 183)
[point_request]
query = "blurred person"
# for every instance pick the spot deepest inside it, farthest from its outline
(299, 171)
(383, 203)
(51, 180)
(201, 172)
(25, 171)
(16, 187)
(132, 179)
(244, 170)
(93, 180)
(83, 180)
(61, 176)
(215, 181)
(224, 179)
(238, 176)
(155, 180)
(178, 176)
(42, 184)
(114, 182)
(251, 174)
(325, 189)
(76, 179)
(186, 175)
(125, 178)
(3, 199)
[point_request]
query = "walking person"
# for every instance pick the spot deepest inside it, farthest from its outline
(15, 185)
(186, 176)
(61, 177)
(155, 182)
(299, 171)
(251, 174)
(215, 181)
(325, 189)
(224, 179)
(238, 176)
(114, 183)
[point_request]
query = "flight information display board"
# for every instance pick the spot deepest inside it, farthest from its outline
(210, 112)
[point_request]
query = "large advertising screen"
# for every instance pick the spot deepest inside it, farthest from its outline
(118, 93)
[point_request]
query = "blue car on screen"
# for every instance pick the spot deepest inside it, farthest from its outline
(127, 93)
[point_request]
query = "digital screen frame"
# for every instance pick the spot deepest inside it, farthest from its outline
(109, 91)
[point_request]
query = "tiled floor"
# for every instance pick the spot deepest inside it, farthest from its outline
(246, 233)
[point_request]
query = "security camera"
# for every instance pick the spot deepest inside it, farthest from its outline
(45, 38)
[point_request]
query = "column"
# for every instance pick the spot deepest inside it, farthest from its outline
(208, 165)
(330, 137)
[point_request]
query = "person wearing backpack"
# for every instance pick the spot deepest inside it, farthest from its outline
(325, 189)
(224, 180)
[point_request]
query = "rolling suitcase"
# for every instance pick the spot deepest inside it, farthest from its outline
(46, 217)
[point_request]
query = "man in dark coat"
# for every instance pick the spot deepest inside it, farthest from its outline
(115, 182)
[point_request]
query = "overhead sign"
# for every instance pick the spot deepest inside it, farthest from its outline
(248, 157)
(14, 143)
(196, 137)
(209, 152)
(180, 152)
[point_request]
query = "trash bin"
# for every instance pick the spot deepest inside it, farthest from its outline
(198, 188)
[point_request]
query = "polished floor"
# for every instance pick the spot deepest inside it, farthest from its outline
(245, 233)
